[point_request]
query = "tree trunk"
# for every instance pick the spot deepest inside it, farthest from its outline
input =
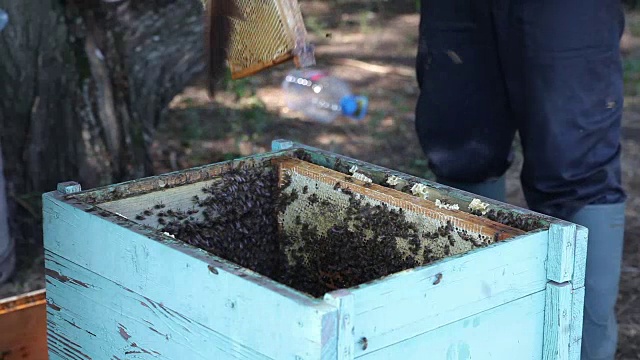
(84, 86)
(7, 249)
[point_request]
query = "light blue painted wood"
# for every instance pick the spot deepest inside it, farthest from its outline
(565, 291)
(69, 187)
(508, 332)
(343, 300)
(558, 320)
(411, 303)
(254, 312)
(577, 314)
(562, 243)
(279, 145)
(330, 335)
(580, 264)
(107, 326)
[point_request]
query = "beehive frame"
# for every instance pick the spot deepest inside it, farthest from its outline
(115, 287)
(272, 32)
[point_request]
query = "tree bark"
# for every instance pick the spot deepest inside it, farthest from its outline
(84, 85)
(7, 249)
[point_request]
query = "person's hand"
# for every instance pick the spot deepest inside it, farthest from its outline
(217, 35)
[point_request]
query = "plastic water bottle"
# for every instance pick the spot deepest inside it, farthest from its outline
(322, 97)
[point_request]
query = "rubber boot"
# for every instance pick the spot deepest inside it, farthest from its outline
(604, 261)
(493, 189)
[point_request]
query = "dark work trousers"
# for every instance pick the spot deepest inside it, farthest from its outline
(549, 69)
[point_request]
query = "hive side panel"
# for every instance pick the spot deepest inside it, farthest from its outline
(23, 327)
(107, 321)
(414, 302)
(577, 318)
(200, 289)
(558, 317)
(563, 322)
(507, 332)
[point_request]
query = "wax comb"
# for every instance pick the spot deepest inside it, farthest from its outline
(252, 36)
(307, 180)
(270, 32)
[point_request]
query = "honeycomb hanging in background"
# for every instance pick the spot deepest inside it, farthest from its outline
(272, 32)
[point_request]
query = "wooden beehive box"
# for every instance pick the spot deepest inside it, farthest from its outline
(319, 256)
(23, 327)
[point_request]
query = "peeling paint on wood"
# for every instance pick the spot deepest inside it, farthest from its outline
(54, 306)
(123, 332)
(56, 275)
(212, 270)
(66, 346)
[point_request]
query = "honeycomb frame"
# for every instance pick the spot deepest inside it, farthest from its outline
(271, 33)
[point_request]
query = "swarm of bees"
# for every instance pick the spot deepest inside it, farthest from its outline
(233, 218)
(346, 254)
(520, 221)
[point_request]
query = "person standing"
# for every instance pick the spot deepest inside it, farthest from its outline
(552, 71)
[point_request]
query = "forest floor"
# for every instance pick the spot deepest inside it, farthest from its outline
(382, 39)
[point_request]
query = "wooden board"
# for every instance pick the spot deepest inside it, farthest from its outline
(563, 322)
(415, 302)
(511, 331)
(23, 327)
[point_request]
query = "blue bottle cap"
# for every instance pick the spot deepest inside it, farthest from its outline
(354, 106)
